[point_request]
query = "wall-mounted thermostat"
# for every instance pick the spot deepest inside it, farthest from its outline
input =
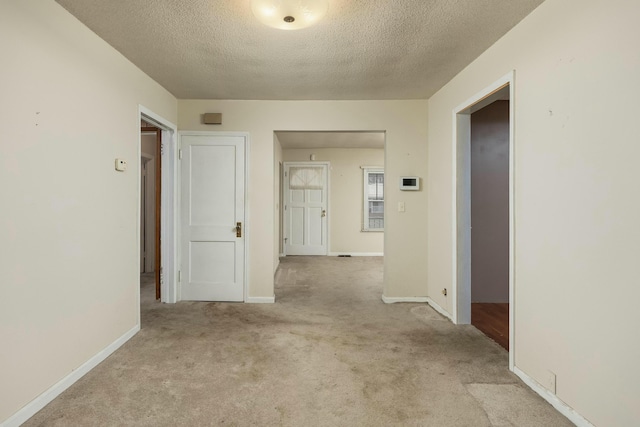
(409, 183)
(121, 165)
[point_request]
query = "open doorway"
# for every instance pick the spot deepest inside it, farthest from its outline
(490, 221)
(353, 164)
(150, 208)
(160, 155)
(484, 213)
(354, 211)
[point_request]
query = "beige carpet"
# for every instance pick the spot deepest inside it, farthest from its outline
(328, 353)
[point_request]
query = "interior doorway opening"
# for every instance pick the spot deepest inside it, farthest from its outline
(348, 156)
(150, 205)
(490, 221)
(163, 160)
(483, 242)
(355, 224)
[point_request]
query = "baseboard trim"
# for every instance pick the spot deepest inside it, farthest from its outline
(261, 300)
(31, 408)
(393, 300)
(562, 407)
(439, 309)
(354, 254)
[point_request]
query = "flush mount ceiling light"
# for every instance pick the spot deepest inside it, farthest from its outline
(289, 14)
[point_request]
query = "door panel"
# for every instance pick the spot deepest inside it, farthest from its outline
(209, 261)
(315, 226)
(212, 192)
(315, 196)
(305, 209)
(297, 226)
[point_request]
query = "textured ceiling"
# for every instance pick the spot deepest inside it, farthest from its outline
(362, 49)
(289, 140)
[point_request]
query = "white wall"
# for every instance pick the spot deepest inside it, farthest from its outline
(346, 196)
(406, 125)
(576, 198)
(69, 261)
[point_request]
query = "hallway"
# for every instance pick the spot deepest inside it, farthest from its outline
(329, 352)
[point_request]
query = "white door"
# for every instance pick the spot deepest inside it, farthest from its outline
(212, 217)
(306, 208)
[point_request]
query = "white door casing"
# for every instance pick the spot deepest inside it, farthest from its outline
(306, 210)
(212, 191)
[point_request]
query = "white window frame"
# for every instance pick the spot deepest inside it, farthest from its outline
(366, 170)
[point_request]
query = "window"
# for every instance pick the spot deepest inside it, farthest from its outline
(373, 218)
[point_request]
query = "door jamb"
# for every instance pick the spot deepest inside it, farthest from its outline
(168, 227)
(285, 214)
(461, 209)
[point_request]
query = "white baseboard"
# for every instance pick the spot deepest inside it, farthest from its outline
(31, 408)
(562, 407)
(260, 300)
(439, 309)
(393, 300)
(356, 253)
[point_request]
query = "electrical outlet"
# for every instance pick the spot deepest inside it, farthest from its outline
(444, 292)
(400, 206)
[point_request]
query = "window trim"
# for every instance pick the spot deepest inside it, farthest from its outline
(366, 170)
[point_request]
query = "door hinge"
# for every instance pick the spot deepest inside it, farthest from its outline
(161, 276)
(285, 207)
(285, 174)
(180, 154)
(161, 149)
(179, 276)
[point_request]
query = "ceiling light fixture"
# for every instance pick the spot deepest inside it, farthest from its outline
(289, 14)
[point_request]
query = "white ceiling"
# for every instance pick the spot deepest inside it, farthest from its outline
(291, 140)
(373, 49)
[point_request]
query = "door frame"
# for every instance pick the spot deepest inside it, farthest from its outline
(461, 200)
(285, 212)
(246, 220)
(168, 226)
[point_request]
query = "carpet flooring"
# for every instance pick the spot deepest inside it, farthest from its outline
(329, 352)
